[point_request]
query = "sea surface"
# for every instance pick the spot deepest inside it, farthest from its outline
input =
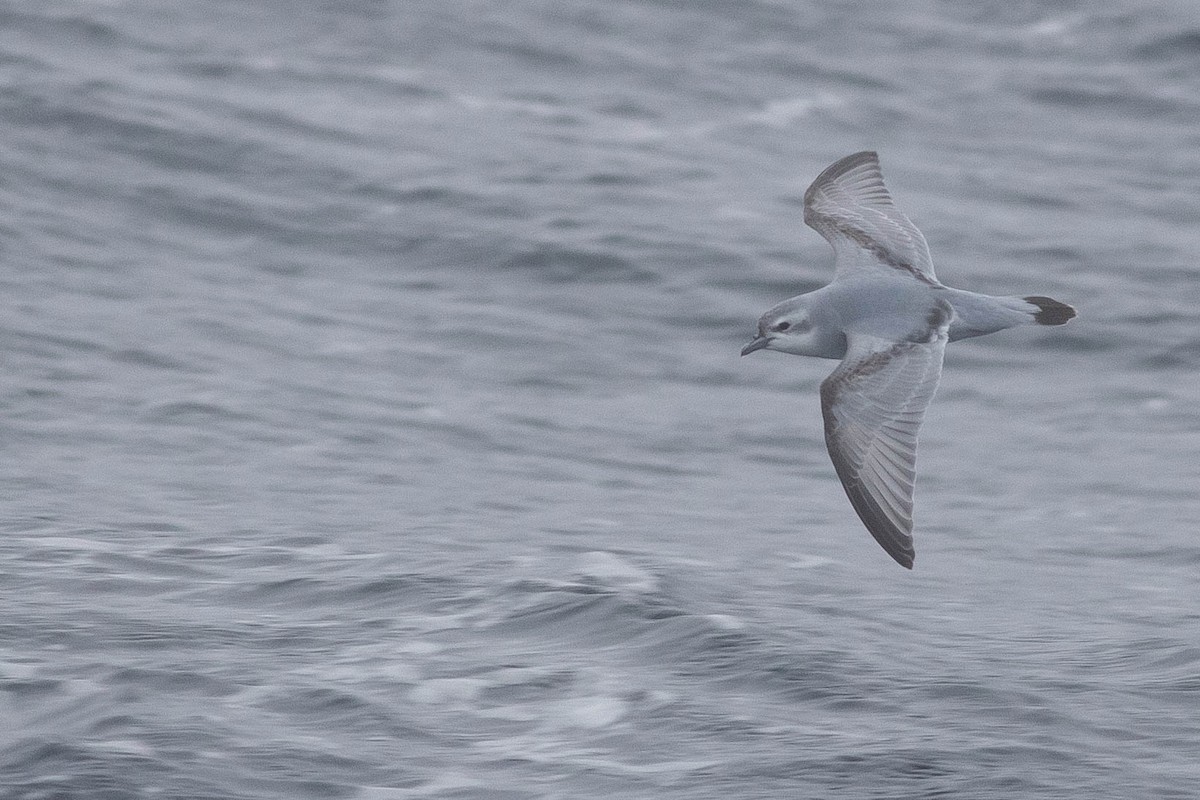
(372, 423)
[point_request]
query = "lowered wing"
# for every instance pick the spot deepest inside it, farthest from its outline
(873, 405)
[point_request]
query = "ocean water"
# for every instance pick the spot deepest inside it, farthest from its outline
(372, 422)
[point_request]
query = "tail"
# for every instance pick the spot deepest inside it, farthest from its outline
(1050, 312)
(980, 314)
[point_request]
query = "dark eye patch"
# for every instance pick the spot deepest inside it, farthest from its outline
(783, 326)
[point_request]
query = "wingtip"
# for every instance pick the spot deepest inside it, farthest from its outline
(834, 172)
(861, 155)
(846, 164)
(895, 541)
(904, 557)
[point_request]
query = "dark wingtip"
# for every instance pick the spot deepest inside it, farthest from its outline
(835, 170)
(1050, 312)
(895, 542)
(904, 557)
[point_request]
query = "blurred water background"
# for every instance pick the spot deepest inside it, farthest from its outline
(373, 426)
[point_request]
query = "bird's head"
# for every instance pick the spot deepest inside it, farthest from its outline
(787, 328)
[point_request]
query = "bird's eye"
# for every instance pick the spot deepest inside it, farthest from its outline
(783, 326)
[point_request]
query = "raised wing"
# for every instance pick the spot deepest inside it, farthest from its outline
(849, 205)
(873, 404)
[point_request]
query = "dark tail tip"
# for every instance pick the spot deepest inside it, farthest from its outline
(1050, 312)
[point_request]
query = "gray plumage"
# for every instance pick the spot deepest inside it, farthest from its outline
(889, 319)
